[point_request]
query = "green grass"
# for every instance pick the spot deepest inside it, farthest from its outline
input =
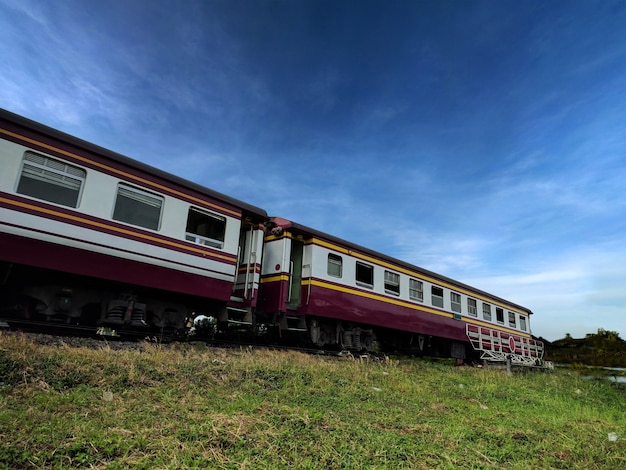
(189, 406)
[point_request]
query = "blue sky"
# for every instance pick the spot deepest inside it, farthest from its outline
(484, 140)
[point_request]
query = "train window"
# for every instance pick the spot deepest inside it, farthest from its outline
(205, 228)
(455, 300)
(364, 274)
(335, 265)
(436, 296)
(416, 290)
(51, 180)
(392, 283)
(486, 312)
(137, 207)
(471, 307)
(522, 323)
(512, 319)
(500, 315)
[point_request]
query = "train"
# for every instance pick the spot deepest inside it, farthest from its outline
(94, 239)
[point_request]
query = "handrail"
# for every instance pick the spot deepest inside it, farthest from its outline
(245, 286)
(290, 281)
(494, 347)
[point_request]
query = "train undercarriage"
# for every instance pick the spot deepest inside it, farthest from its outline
(328, 333)
(36, 296)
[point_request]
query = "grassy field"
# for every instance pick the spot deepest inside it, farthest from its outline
(189, 406)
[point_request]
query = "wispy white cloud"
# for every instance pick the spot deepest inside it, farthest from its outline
(423, 165)
(571, 290)
(29, 8)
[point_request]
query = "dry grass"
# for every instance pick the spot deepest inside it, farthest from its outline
(189, 406)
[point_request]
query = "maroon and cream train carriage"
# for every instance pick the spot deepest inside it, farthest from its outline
(86, 230)
(346, 295)
(90, 237)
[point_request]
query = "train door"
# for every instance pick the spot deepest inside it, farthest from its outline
(243, 300)
(247, 275)
(295, 275)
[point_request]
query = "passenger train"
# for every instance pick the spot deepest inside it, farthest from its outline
(94, 239)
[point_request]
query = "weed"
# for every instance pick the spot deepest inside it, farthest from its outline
(10, 369)
(189, 406)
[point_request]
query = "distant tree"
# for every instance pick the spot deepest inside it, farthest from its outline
(604, 348)
(609, 335)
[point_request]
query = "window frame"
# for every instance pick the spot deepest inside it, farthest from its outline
(523, 323)
(512, 316)
(338, 261)
(499, 316)
(455, 302)
(39, 168)
(361, 282)
(472, 307)
(433, 296)
(487, 314)
(392, 283)
(419, 290)
(203, 239)
(139, 193)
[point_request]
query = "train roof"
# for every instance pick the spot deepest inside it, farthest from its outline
(287, 225)
(124, 160)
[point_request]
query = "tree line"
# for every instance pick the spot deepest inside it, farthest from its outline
(604, 348)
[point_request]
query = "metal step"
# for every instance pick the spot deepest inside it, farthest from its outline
(235, 309)
(296, 324)
(237, 322)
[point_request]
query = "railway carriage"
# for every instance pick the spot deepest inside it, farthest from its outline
(88, 235)
(343, 294)
(91, 237)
